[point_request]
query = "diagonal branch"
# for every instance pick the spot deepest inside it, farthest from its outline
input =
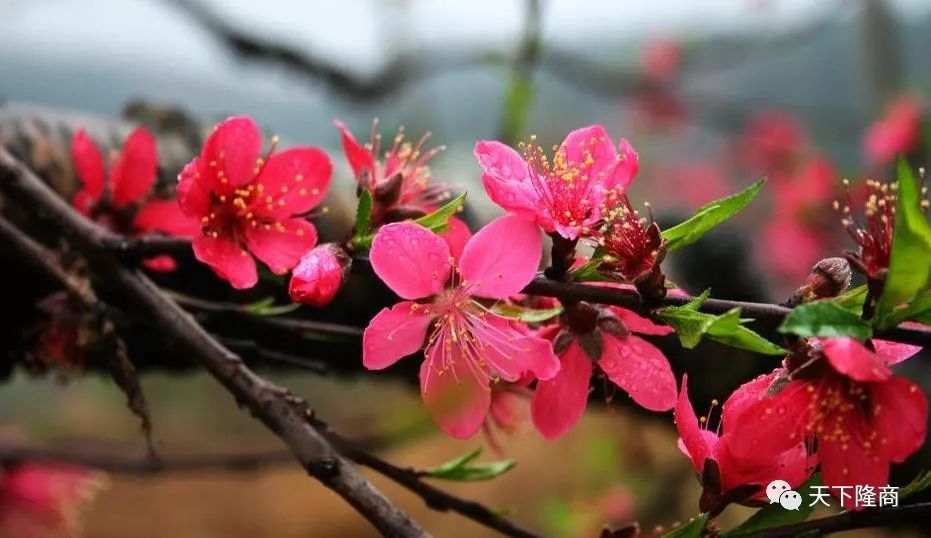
(282, 412)
(275, 406)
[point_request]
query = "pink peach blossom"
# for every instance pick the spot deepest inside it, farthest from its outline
(563, 195)
(468, 346)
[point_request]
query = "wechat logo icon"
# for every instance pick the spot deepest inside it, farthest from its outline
(779, 491)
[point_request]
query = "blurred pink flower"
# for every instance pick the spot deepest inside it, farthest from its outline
(660, 60)
(897, 132)
(43, 500)
(771, 142)
(120, 199)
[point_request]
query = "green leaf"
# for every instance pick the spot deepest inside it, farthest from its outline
(709, 216)
(693, 529)
(437, 221)
(852, 300)
(362, 240)
(266, 307)
(825, 318)
(462, 469)
(527, 315)
(774, 515)
(728, 328)
(919, 484)
(910, 262)
(748, 339)
(690, 325)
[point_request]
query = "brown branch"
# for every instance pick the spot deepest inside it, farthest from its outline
(766, 313)
(123, 464)
(280, 411)
(434, 498)
(121, 368)
(283, 413)
(285, 324)
(913, 513)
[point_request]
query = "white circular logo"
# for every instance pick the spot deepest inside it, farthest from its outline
(775, 489)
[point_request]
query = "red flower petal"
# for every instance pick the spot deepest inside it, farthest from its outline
(227, 259)
(294, 181)
(360, 158)
(88, 163)
(559, 403)
(502, 257)
(741, 399)
(394, 334)
(847, 464)
(590, 144)
(900, 417)
(507, 181)
(161, 264)
(639, 324)
(280, 245)
(165, 216)
(851, 358)
(457, 236)
(232, 148)
(641, 369)
(193, 193)
(454, 396)
(135, 171)
(413, 261)
(699, 446)
(774, 424)
(895, 352)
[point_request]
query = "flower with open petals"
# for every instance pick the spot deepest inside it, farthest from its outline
(563, 195)
(120, 199)
(628, 361)
(844, 397)
(468, 346)
(400, 182)
(247, 203)
(40, 500)
(726, 477)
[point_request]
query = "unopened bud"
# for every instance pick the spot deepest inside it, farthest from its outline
(388, 192)
(828, 278)
(319, 275)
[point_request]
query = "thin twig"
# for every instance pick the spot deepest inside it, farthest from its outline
(286, 324)
(863, 519)
(434, 498)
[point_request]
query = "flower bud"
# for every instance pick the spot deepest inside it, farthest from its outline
(829, 277)
(319, 275)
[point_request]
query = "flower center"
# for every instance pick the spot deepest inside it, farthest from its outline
(629, 239)
(562, 184)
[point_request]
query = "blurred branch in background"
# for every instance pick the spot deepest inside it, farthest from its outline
(518, 98)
